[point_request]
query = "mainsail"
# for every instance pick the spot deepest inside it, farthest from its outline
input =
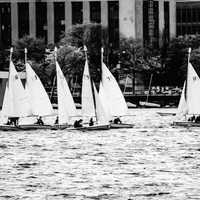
(87, 95)
(100, 112)
(66, 106)
(38, 97)
(192, 93)
(112, 94)
(182, 106)
(16, 102)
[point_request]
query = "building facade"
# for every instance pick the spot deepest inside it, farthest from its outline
(50, 18)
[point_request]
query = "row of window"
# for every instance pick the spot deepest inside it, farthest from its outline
(187, 18)
(59, 19)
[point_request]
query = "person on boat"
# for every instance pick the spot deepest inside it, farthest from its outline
(13, 121)
(197, 120)
(56, 122)
(40, 121)
(78, 123)
(192, 119)
(8, 122)
(117, 121)
(91, 123)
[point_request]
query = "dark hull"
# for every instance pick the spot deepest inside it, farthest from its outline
(166, 114)
(60, 127)
(30, 127)
(92, 128)
(116, 126)
(186, 124)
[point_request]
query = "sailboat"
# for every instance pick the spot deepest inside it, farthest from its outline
(111, 96)
(38, 98)
(66, 105)
(189, 104)
(16, 102)
(91, 103)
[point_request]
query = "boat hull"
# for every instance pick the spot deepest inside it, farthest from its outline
(166, 114)
(93, 128)
(186, 124)
(122, 125)
(60, 127)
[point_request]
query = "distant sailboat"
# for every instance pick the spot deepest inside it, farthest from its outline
(91, 103)
(66, 105)
(16, 103)
(189, 104)
(112, 98)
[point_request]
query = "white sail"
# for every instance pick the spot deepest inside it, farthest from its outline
(100, 112)
(6, 101)
(105, 104)
(38, 97)
(114, 96)
(193, 91)
(182, 106)
(86, 95)
(66, 106)
(16, 102)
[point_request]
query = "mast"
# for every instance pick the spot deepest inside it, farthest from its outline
(85, 50)
(188, 62)
(11, 52)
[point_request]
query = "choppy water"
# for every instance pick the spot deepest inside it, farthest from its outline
(152, 161)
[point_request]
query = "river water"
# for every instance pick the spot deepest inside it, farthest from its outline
(152, 161)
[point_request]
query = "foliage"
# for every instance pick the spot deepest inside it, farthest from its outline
(94, 36)
(135, 58)
(35, 46)
(176, 58)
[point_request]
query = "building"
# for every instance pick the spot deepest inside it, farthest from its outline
(49, 18)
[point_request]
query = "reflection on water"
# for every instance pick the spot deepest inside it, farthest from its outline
(151, 161)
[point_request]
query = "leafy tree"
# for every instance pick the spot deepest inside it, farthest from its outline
(176, 58)
(94, 36)
(35, 46)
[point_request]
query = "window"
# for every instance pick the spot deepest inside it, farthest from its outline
(41, 20)
(23, 19)
(77, 13)
(5, 24)
(187, 18)
(95, 11)
(59, 20)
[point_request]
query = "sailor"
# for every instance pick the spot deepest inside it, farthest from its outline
(192, 119)
(56, 122)
(91, 123)
(8, 122)
(197, 120)
(14, 120)
(117, 121)
(78, 123)
(40, 121)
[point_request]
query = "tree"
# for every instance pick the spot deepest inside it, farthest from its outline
(94, 36)
(176, 58)
(35, 46)
(134, 58)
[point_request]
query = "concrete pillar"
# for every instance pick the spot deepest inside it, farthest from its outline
(32, 18)
(68, 15)
(127, 18)
(104, 13)
(86, 12)
(139, 19)
(172, 18)
(161, 20)
(14, 22)
(50, 22)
